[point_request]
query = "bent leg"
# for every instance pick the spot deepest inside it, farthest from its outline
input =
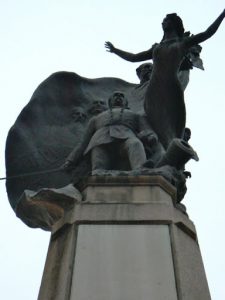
(100, 158)
(135, 151)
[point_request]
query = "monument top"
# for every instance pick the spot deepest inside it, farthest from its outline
(69, 126)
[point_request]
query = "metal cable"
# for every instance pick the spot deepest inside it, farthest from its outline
(32, 173)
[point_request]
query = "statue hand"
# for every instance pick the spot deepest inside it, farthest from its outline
(152, 140)
(187, 174)
(223, 14)
(109, 46)
(67, 166)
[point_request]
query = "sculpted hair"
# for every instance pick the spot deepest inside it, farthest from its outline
(178, 23)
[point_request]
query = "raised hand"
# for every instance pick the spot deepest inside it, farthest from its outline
(109, 46)
(223, 12)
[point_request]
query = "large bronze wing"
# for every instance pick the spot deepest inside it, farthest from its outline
(45, 132)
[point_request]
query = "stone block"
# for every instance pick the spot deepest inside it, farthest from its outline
(126, 240)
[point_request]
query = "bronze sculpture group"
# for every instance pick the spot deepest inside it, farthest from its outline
(164, 99)
(141, 130)
(164, 96)
(116, 130)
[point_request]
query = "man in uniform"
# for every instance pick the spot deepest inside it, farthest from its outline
(117, 129)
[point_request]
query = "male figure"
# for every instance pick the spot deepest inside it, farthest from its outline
(97, 107)
(187, 134)
(144, 72)
(79, 115)
(114, 130)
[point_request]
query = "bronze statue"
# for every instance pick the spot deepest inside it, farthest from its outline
(52, 124)
(116, 130)
(164, 99)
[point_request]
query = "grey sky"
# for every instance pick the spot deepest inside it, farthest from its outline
(41, 37)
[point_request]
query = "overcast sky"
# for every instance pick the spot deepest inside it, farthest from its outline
(40, 37)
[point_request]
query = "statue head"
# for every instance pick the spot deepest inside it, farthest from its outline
(78, 114)
(173, 22)
(187, 134)
(97, 107)
(118, 99)
(144, 72)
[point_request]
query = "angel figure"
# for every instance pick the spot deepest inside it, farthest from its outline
(164, 98)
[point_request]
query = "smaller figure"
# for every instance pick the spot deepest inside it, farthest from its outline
(116, 130)
(97, 107)
(164, 97)
(186, 138)
(187, 134)
(144, 72)
(79, 115)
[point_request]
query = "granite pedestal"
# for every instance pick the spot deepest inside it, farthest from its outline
(125, 240)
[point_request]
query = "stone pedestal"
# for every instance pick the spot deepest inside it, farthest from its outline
(124, 241)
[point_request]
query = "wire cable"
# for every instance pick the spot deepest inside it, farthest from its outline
(32, 173)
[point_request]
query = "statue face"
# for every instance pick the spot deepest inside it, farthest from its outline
(167, 24)
(118, 99)
(97, 107)
(79, 115)
(145, 71)
(187, 134)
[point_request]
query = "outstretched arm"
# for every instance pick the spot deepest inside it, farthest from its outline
(145, 55)
(203, 36)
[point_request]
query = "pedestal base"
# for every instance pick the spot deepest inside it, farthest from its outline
(126, 240)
